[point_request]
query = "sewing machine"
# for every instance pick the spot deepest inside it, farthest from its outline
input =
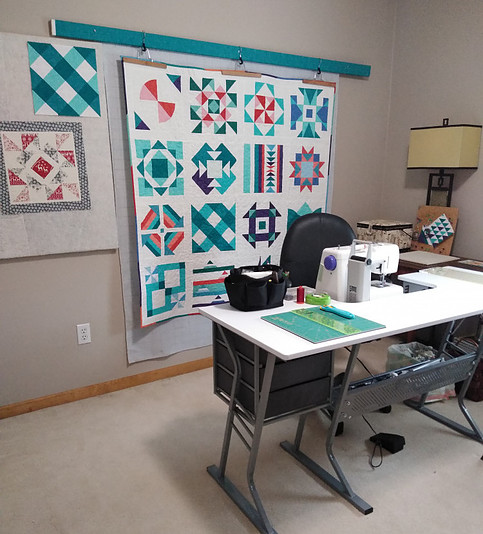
(345, 272)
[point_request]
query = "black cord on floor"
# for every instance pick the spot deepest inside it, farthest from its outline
(377, 444)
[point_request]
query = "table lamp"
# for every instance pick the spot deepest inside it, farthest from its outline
(443, 147)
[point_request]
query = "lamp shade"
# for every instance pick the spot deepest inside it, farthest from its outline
(444, 147)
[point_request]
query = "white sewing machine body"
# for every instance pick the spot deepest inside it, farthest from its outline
(345, 271)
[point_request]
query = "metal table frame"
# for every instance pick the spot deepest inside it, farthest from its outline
(346, 402)
(399, 388)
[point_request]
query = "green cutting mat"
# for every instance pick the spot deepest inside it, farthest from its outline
(316, 325)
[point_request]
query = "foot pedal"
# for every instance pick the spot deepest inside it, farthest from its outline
(391, 442)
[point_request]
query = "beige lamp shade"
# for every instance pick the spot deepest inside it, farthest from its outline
(444, 147)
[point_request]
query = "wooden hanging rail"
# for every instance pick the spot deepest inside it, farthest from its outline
(103, 34)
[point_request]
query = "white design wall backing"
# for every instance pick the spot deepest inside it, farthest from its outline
(56, 184)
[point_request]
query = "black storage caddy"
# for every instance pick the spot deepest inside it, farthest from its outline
(247, 293)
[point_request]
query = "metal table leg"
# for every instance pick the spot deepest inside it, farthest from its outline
(256, 514)
(474, 431)
(339, 484)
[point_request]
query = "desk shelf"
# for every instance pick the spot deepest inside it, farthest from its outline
(397, 386)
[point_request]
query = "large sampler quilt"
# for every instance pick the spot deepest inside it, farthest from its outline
(222, 164)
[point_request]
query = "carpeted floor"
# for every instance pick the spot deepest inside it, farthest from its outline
(135, 461)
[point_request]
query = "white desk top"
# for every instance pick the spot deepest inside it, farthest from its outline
(450, 299)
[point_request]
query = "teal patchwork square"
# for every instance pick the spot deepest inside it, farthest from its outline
(64, 80)
(159, 168)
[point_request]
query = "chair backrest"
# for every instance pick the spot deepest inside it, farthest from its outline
(306, 239)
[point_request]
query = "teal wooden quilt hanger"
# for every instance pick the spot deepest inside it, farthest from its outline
(103, 34)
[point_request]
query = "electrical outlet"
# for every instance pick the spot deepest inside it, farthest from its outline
(83, 333)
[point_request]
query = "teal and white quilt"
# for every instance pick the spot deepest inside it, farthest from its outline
(222, 164)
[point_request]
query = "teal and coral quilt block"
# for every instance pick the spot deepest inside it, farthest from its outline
(208, 287)
(263, 168)
(307, 169)
(264, 109)
(222, 164)
(214, 101)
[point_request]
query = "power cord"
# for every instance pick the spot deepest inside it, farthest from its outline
(363, 365)
(391, 442)
(377, 444)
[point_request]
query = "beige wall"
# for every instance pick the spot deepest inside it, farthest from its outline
(437, 73)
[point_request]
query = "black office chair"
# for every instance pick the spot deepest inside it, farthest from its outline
(306, 239)
(302, 249)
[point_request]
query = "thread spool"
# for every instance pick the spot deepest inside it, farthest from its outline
(300, 295)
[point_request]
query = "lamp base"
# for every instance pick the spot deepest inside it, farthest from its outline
(440, 193)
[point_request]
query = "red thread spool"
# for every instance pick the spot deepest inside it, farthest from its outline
(300, 295)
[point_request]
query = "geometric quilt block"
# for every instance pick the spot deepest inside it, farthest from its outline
(208, 285)
(152, 91)
(159, 167)
(149, 91)
(214, 168)
(42, 167)
(263, 164)
(64, 80)
(263, 109)
(211, 113)
(153, 228)
(436, 232)
(307, 169)
(165, 288)
(213, 226)
(262, 223)
(309, 113)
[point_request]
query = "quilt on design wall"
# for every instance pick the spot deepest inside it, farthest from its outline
(221, 164)
(64, 80)
(42, 167)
